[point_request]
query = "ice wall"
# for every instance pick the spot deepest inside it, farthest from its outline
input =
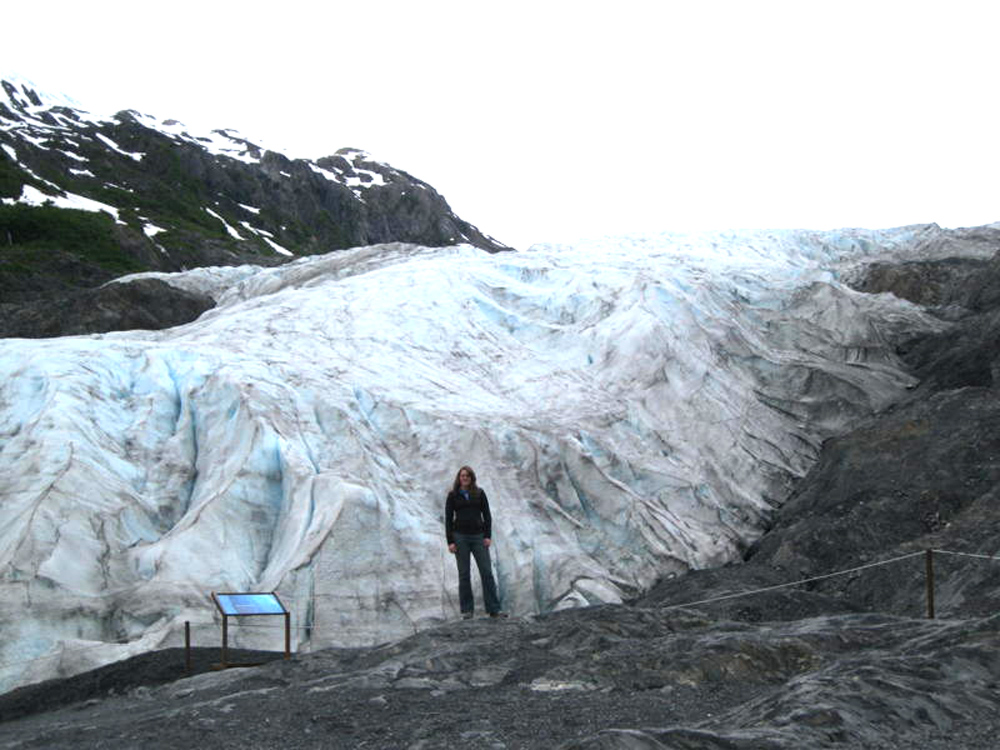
(633, 406)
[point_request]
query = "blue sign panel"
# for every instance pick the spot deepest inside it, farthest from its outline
(249, 604)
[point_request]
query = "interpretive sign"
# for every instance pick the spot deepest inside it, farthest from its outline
(250, 604)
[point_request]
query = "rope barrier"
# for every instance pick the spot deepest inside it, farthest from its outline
(793, 583)
(995, 558)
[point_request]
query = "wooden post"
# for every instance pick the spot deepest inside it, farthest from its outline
(288, 635)
(187, 647)
(930, 584)
(225, 640)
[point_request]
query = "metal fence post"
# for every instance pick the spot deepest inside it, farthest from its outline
(225, 640)
(930, 584)
(288, 635)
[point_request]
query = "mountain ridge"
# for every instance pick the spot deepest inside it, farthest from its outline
(160, 198)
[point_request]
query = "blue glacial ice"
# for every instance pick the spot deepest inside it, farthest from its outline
(634, 407)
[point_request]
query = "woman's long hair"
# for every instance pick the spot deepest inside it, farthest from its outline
(473, 488)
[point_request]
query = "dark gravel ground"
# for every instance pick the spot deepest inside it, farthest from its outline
(605, 677)
(146, 670)
(133, 704)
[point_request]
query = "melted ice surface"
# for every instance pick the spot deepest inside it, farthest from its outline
(633, 407)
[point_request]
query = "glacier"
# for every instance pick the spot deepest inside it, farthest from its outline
(635, 407)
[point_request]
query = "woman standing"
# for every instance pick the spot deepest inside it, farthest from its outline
(467, 525)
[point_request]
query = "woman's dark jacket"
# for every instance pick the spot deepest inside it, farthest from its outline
(466, 515)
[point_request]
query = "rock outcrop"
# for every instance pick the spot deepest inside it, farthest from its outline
(148, 304)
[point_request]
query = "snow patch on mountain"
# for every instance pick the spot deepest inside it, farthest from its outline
(115, 147)
(32, 196)
(151, 230)
(229, 230)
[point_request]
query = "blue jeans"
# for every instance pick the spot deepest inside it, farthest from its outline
(466, 543)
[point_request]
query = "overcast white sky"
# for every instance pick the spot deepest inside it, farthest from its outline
(547, 121)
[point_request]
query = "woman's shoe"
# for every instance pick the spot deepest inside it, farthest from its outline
(496, 615)
(467, 615)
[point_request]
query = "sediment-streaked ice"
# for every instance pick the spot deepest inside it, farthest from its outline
(634, 407)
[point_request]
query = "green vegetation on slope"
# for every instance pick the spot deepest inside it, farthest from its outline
(11, 177)
(30, 234)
